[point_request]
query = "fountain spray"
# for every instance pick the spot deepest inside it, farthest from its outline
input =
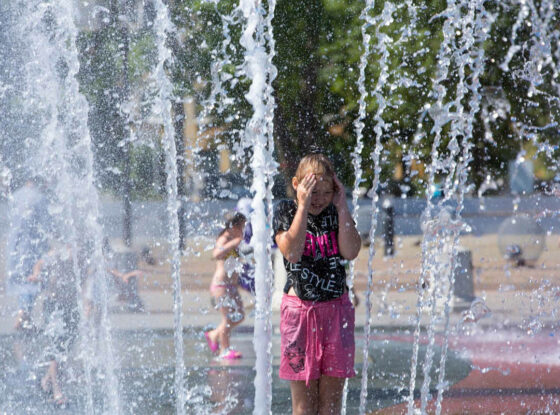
(259, 69)
(383, 40)
(72, 169)
(162, 106)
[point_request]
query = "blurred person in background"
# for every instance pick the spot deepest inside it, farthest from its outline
(224, 287)
(57, 273)
(27, 242)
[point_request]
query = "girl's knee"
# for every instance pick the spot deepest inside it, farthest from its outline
(305, 398)
(330, 404)
(305, 407)
(330, 407)
(330, 395)
(235, 316)
(236, 322)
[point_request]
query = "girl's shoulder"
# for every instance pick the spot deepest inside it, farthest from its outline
(285, 206)
(223, 237)
(228, 235)
(284, 213)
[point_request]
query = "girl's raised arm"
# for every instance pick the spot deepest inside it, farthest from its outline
(349, 240)
(224, 246)
(292, 242)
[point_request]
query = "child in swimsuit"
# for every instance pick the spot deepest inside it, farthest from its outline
(317, 236)
(224, 287)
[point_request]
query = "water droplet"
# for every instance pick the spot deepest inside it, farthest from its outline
(477, 310)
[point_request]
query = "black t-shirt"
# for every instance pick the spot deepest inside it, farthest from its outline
(320, 274)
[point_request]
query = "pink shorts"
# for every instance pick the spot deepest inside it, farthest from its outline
(316, 338)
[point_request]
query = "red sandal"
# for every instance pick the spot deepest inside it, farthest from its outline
(231, 354)
(214, 346)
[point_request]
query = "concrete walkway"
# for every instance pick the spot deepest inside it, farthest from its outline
(508, 359)
(502, 361)
(391, 309)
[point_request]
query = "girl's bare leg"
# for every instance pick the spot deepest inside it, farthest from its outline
(223, 330)
(330, 395)
(21, 318)
(222, 333)
(305, 399)
(50, 382)
(227, 324)
(322, 397)
(214, 335)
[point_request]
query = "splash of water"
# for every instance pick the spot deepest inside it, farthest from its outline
(219, 99)
(437, 112)
(66, 159)
(442, 274)
(477, 311)
(259, 68)
(359, 126)
(383, 40)
(474, 36)
(162, 106)
(5, 179)
(514, 48)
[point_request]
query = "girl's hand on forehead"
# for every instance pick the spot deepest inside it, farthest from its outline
(305, 189)
(339, 197)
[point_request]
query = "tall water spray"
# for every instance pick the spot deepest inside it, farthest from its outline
(52, 157)
(162, 107)
(270, 170)
(442, 232)
(441, 227)
(272, 167)
(359, 126)
(66, 161)
(438, 111)
(383, 39)
(260, 70)
(472, 56)
(359, 123)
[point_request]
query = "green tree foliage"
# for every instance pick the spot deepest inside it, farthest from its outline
(318, 48)
(412, 68)
(115, 60)
(100, 78)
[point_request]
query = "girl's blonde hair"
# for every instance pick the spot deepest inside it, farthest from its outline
(316, 163)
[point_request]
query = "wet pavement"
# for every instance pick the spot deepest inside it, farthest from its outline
(146, 376)
(492, 365)
(508, 361)
(509, 372)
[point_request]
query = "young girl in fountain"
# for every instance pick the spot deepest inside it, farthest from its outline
(60, 312)
(316, 235)
(224, 287)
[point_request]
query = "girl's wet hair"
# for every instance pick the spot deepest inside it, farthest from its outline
(316, 163)
(233, 220)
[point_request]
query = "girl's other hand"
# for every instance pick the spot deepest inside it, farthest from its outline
(339, 198)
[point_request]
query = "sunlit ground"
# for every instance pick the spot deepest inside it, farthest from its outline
(508, 359)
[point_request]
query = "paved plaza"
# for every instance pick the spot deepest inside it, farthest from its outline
(509, 360)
